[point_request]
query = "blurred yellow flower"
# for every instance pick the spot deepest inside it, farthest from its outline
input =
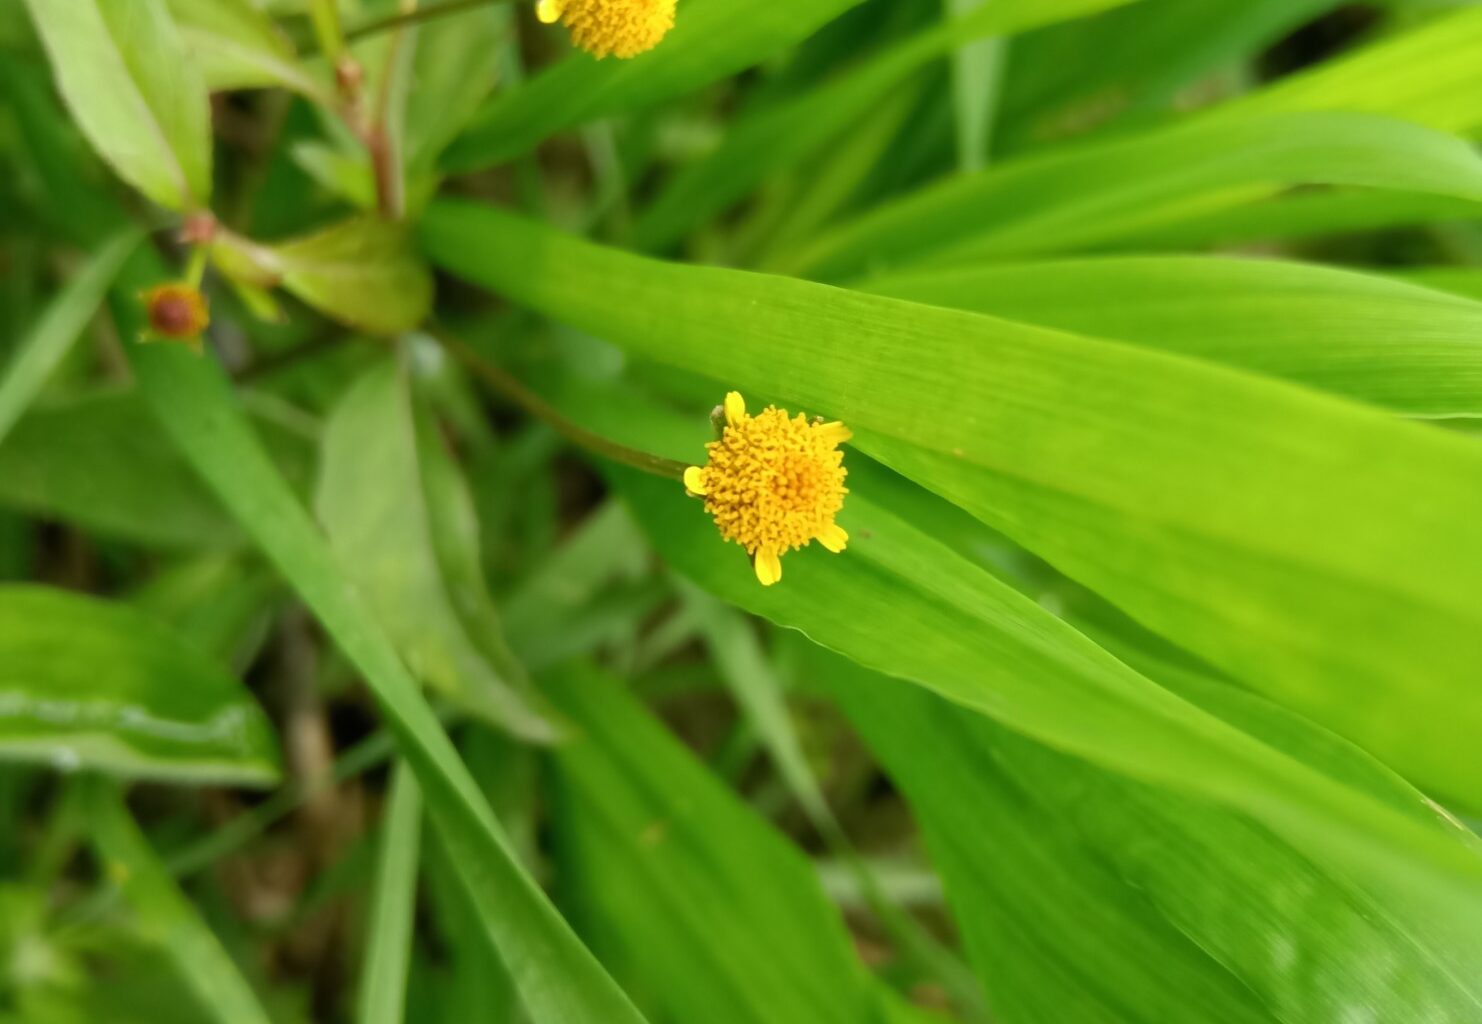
(773, 483)
(624, 28)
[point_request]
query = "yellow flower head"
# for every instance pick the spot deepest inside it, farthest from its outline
(773, 483)
(624, 28)
(176, 312)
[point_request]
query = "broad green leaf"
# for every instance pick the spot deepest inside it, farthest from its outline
(1410, 349)
(88, 683)
(362, 272)
(122, 68)
(1464, 281)
(162, 914)
(1084, 895)
(1317, 550)
(1092, 194)
(386, 496)
(383, 977)
(50, 340)
(557, 978)
(695, 901)
(790, 133)
(239, 47)
(711, 39)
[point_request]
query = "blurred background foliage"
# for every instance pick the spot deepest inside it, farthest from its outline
(341, 679)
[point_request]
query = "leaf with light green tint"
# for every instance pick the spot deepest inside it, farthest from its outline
(122, 68)
(1415, 350)
(86, 683)
(1064, 876)
(162, 913)
(1092, 194)
(1317, 550)
(784, 136)
(454, 72)
(711, 39)
(384, 497)
(558, 979)
(1431, 74)
(362, 272)
(698, 904)
(383, 977)
(48, 343)
(239, 47)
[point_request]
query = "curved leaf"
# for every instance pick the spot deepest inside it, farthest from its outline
(239, 47)
(123, 70)
(1410, 349)
(87, 683)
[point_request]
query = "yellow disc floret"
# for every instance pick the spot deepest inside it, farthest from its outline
(773, 483)
(624, 28)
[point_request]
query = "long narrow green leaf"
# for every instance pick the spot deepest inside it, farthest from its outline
(711, 39)
(87, 683)
(706, 909)
(48, 343)
(1315, 549)
(383, 977)
(163, 913)
(956, 630)
(1092, 194)
(1414, 350)
(557, 978)
(784, 136)
(1065, 877)
(122, 68)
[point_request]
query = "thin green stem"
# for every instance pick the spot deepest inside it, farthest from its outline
(500, 380)
(395, 21)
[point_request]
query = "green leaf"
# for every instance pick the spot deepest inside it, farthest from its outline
(696, 901)
(1431, 74)
(383, 977)
(711, 39)
(65, 318)
(1317, 550)
(123, 70)
(1092, 194)
(362, 272)
(239, 47)
(455, 72)
(784, 136)
(163, 914)
(100, 460)
(1083, 895)
(1410, 349)
(87, 683)
(388, 496)
(558, 979)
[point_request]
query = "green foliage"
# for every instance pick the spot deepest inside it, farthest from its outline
(1143, 692)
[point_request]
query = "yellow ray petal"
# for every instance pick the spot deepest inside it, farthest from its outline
(694, 481)
(768, 567)
(833, 433)
(548, 11)
(735, 407)
(834, 538)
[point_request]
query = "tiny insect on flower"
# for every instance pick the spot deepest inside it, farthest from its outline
(773, 483)
(176, 312)
(623, 28)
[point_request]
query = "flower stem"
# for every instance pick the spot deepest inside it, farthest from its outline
(500, 380)
(405, 18)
